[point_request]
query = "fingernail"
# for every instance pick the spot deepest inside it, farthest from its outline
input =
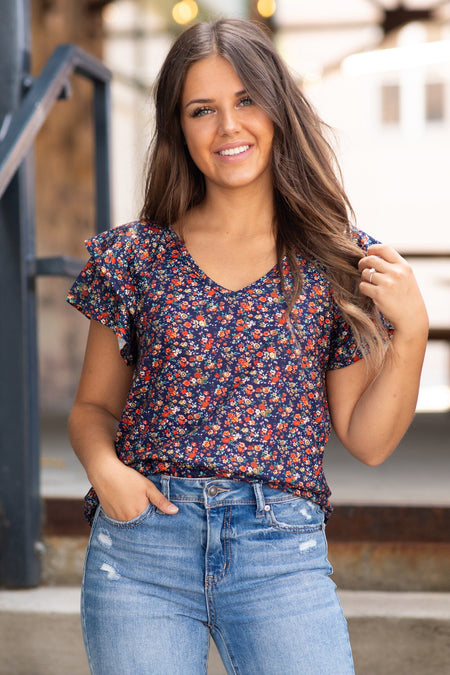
(172, 508)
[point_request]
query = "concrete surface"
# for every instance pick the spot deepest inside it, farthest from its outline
(391, 633)
(417, 474)
(390, 566)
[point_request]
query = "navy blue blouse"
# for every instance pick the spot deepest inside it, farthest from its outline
(220, 387)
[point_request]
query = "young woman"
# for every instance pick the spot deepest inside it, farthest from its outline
(229, 326)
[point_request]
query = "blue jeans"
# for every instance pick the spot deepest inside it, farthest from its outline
(242, 562)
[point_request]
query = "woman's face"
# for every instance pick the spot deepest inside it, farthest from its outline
(228, 136)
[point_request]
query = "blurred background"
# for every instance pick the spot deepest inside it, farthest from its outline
(378, 72)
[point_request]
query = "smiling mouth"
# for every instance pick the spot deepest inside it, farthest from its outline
(234, 151)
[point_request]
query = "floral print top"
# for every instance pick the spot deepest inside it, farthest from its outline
(220, 386)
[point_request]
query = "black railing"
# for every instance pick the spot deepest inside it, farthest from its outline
(19, 130)
(20, 502)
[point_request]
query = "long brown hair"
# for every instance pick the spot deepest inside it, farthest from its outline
(311, 208)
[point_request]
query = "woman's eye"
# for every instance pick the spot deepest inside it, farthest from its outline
(201, 112)
(246, 101)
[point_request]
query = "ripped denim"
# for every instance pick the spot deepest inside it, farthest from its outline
(243, 563)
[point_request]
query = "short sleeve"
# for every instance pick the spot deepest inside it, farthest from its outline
(362, 239)
(106, 289)
(343, 348)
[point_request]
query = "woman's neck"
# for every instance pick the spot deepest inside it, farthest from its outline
(231, 237)
(234, 212)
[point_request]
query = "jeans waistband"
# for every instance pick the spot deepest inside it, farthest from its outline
(214, 492)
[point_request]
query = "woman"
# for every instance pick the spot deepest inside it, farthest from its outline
(248, 314)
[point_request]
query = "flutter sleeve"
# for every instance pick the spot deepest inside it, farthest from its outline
(343, 347)
(106, 288)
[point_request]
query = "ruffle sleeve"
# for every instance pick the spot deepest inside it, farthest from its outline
(343, 348)
(106, 288)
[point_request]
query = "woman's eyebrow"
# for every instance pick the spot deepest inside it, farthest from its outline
(211, 100)
(199, 100)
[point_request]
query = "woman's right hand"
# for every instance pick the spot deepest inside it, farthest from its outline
(124, 493)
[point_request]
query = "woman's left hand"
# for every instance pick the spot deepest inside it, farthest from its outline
(389, 281)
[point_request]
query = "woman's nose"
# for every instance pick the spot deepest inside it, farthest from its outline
(229, 122)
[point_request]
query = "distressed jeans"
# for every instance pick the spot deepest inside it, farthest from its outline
(241, 562)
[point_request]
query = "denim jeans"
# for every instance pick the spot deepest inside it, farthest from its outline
(241, 562)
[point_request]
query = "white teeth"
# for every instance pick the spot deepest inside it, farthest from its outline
(234, 151)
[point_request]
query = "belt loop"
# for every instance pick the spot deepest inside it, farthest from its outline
(260, 501)
(165, 489)
(165, 486)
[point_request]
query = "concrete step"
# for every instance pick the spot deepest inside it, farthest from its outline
(391, 633)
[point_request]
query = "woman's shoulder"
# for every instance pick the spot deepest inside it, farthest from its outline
(137, 237)
(361, 238)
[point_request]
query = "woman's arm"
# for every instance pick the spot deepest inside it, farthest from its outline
(371, 412)
(99, 402)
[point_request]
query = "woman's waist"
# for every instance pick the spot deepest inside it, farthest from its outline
(217, 491)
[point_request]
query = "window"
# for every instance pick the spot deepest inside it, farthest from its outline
(390, 104)
(434, 101)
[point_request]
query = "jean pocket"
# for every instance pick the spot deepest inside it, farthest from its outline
(137, 520)
(295, 515)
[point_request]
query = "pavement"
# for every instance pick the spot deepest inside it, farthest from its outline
(391, 633)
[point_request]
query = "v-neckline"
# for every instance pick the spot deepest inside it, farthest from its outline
(182, 246)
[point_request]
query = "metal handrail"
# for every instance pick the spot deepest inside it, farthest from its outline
(24, 124)
(56, 266)
(20, 523)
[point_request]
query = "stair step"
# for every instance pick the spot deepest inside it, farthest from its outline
(391, 633)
